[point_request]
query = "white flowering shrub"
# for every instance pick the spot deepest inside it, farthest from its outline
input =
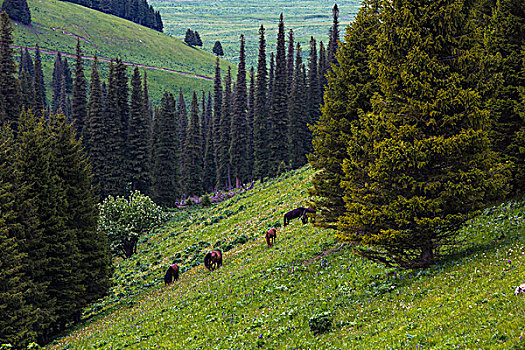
(124, 220)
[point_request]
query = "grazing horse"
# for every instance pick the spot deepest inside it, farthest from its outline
(173, 271)
(520, 289)
(271, 235)
(213, 259)
(298, 212)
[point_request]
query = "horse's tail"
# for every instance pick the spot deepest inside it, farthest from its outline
(167, 276)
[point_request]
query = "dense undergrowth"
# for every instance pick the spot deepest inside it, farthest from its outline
(308, 291)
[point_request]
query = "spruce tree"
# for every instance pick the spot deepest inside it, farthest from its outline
(323, 66)
(96, 140)
(67, 74)
(9, 85)
(421, 163)
(333, 42)
(192, 174)
(260, 114)
(239, 129)
(290, 60)
(217, 49)
(271, 78)
(314, 89)
(27, 89)
(79, 99)
(278, 111)
(298, 129)
(166, 174)
(217, 109)
(138, 137)
(350, 88)
(58, 72)
(18, 314)
(223, 146)
(250, 111)
(39, 85)
(182, 127)
(209, 169)
(18, 10)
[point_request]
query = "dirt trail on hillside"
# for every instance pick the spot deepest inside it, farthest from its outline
(103, 59)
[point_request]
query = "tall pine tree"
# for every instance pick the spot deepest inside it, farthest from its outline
(9, 87)
(192, 174)
(260, 116)
(79, 99)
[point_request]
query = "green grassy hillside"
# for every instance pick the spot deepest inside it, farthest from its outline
(226, 20)
(267, 297)
(56, 25)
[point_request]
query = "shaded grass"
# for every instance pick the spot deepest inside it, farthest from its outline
(265, 297)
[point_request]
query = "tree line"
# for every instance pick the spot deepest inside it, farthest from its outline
(422, 125)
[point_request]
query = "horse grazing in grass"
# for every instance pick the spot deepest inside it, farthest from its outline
(271, 235)
(173, 272)
(213, 259)
(298, 212)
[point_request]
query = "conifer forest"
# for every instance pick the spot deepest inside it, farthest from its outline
(399, 136)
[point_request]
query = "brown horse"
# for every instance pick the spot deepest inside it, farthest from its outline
(271, 235)
(173, 271)
(213, 259)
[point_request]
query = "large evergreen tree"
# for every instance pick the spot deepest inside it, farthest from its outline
(223, 136)
(209, 170)
(96, 141)
(421, 163)
(290, 60)
(239, 139)
(260, 117)
(192, 174)
(138, 137)
(79, 99)
(9, 86)
(314, 91)
(279, 106)
(216, 122)
(39, 85)
(333, 40)
(166, 171)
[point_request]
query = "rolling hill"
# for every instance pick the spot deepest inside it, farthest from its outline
(272, 298)
(170, 63)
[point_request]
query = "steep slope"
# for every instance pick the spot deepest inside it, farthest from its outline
(56, 25)
(271, 297)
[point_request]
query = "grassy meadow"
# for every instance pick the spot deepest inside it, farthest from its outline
(170, 63)
(268, 298)
(226, 20)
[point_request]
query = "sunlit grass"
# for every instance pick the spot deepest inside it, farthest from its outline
(264, 297)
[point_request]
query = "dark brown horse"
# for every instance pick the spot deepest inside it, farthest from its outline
(213, 259)
(296, 213)
(271, 235)
(173, 271)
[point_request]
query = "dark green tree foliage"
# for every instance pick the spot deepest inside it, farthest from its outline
(67, 75)
(18, 10)
(39, 86)
(182, 127)
(117, 115)
(209, 171)
(333, 40)
(80, 208)
(198, 40)
(421, 163)
(57, 82)
(314, 91)
(79, 99)
(27, 88)
(239, 129)
(96, 141)
(192, 174)
(260, 114)
(9, 86)
(290, 60)
(271, 78)
(249, 121)
(165, 161)
(297, 115)
(26, 62)
(147, 102)
(217, 48)
(323, 66)
(278, 117)
(189, 37)
(504, 45)
(17, 313)
(223, 135)
(138, 137)
(350, 88)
